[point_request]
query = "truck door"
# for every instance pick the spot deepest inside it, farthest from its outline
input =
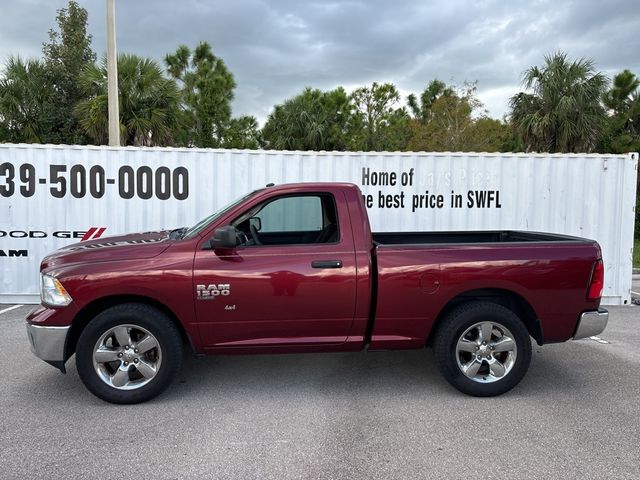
(292, 280)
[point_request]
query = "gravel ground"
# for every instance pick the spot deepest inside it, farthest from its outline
(363, 415)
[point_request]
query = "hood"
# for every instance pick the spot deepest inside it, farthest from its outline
(123, 247)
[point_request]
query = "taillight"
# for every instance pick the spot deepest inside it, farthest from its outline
(597, 281)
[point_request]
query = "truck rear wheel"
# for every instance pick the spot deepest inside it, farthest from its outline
(129, 353)
(482, 349)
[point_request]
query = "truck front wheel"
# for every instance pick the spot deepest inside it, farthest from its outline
(129, 353)
(482, 349)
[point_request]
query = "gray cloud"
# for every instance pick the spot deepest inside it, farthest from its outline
(275, 48)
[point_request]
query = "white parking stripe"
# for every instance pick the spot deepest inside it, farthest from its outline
(10, 308)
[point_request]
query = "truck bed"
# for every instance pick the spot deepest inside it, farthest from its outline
(498, 236)
(419, 273)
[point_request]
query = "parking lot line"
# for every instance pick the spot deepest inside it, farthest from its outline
(10, 308)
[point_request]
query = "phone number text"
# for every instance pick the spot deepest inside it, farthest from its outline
(80, 181)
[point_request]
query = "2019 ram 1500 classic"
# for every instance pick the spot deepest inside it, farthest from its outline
(296, 268)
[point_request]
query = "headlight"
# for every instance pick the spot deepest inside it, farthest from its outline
(52, 292)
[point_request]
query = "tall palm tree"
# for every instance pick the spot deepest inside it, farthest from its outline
(148, 102)
(564, 111)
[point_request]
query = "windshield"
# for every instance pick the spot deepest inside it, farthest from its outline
(202, 224)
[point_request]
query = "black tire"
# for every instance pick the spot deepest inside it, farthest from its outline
(167, 353)
(451, 362)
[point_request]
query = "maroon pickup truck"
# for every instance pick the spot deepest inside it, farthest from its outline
(296, 268)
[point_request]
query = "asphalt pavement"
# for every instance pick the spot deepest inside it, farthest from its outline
(365, 415)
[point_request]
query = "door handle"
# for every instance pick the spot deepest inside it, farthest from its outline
(326, 264)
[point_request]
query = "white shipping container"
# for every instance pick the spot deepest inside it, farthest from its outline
(51, 196)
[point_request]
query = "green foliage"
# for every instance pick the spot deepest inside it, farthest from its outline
(622, 132)
(422, 110)
(66, 54)
(37, 98)
(623, 95)
(563, 113)
(513, 142)
(205, 97)
(242, 132)
(5, 134)
(312, 120)
(377, 124)
(489, 135)
(451, 118)
(25, 101)
(148, 102)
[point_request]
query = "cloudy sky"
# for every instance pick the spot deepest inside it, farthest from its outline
(275, 48)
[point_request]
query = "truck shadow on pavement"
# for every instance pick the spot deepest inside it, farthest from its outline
(367, 374)
(328, 372)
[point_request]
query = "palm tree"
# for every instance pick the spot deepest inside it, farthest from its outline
(148, 102)
(312, 120)
(564, 112)
(25, 97)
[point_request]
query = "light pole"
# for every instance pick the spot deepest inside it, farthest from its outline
(112, 76)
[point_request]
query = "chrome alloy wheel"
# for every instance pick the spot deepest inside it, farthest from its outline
(486, 352)
(127, 357)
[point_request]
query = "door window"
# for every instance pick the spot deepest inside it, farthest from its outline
(292, 214)
(290, 220)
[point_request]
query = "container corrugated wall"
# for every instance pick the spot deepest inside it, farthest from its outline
(591, 196)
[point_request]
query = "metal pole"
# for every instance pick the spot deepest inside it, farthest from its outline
(112, 76)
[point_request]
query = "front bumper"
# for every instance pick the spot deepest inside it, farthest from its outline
(591, 323)
(48, 343)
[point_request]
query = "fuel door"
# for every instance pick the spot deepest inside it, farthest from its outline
(430, 281)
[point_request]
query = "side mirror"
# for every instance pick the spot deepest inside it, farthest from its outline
(256, 223)
(224, 237)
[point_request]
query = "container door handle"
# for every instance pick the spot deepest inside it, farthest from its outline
(326, 264)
